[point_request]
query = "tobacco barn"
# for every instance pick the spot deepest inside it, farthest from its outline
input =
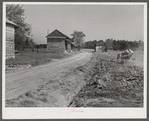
(10, 38)
(59, 42)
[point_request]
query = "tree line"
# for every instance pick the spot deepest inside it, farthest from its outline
(113, 44)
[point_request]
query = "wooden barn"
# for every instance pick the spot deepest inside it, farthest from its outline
(100, 46)
(10, 37)
(59, 42)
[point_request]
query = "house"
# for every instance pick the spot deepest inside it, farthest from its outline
(59, 42)
(10, 37)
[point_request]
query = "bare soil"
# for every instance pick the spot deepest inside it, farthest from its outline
(112, 84)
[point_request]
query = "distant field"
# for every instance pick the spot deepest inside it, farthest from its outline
(88, 50)
(33, 58)
(30, 59)
(136, 59)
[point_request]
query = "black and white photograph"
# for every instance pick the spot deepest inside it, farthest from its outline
(74, 60)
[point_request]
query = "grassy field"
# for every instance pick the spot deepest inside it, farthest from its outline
(24, 60)
(112, 84)
(31, 58)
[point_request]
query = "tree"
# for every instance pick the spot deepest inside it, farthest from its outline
(15, 13)
(32, 44)
(78, 38)
(109, 43)
(141, 43)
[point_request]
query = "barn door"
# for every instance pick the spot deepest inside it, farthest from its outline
(66, 45)
(71, 46)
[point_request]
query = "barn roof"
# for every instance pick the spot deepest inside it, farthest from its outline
(100, 44)
(68, 40)
(57, 34)
(10, 22)
(73, 43)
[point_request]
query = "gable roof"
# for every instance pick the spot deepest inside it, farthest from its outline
(71, 42)
(100, 44)
(57, 34)
(10, 22)
(74, 44)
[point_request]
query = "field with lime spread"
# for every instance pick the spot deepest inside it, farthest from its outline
(112, 84)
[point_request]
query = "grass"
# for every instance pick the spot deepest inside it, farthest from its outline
(24, 58)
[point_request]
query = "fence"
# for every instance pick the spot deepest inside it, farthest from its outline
(42, 50)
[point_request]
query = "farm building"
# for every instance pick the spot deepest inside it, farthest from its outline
(58, 42)
(100, 46)
(10, 37)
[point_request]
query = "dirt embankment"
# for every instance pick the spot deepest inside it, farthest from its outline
(111, 84)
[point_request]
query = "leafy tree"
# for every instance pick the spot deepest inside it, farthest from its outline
(122, 45)
(94, 43)
(89, 45)
(15, 13)
(32, 44)
(109, 43)
(141, 42)
(101, 41)
(78, 38)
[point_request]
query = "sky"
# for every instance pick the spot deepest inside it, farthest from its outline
(98, 22)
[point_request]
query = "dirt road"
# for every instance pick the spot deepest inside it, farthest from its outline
(20, 82)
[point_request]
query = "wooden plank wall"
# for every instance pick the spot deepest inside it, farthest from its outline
(68, 47)
(58, 45)
(10, 35)
(55, 45)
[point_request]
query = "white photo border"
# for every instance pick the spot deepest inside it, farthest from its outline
(81, 113)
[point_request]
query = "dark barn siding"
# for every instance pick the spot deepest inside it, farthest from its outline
(69, 47)
(58, 42)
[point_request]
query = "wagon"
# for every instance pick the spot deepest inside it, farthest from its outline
(124, 56)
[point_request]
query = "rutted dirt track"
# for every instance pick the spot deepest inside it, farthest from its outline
(31, 79)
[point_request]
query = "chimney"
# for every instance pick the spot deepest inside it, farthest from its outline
(47, 31)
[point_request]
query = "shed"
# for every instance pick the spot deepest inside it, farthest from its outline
(73, 46)
(100, 46)
(59, 42)
(10, 39)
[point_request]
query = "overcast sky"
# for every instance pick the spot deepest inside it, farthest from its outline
(96, 21)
